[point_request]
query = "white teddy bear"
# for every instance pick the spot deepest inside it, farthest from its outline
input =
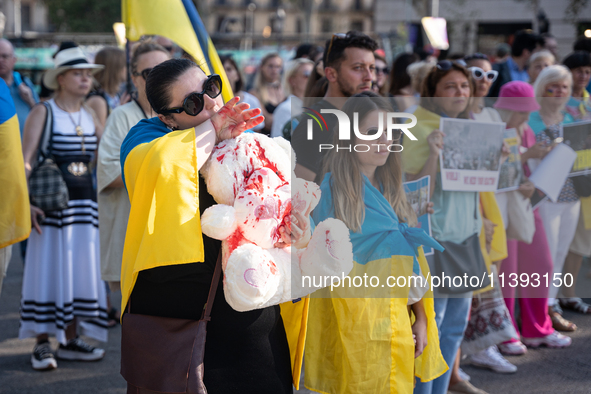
(252, 179)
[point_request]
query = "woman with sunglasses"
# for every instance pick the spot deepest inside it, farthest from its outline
(380, 85)
(360, 340)
(456, 219)
(168, 265)
(483, 77)
(112, 196)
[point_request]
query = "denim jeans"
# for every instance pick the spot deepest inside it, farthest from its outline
(451, 316)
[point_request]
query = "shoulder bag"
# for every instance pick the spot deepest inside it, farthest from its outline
(165, 355)
(47, 188)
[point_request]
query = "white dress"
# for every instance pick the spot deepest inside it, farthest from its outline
(62, 267)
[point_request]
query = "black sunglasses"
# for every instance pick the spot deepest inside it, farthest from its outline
(382, 70)
(444, 65)
(144, 73)
(193, 103)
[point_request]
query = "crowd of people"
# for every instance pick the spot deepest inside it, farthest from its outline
(106, 142)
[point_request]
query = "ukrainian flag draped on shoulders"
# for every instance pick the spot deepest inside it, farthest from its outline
(360, 338)
(178, 21)
(15, 214)
(160, 172)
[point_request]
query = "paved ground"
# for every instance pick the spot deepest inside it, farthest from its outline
(557, 371)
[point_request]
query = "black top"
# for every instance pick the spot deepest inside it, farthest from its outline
(245, 352)
(308, 151)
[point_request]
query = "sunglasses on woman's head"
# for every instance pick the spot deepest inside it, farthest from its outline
(478, 74)
(144, 73)
(193, 103)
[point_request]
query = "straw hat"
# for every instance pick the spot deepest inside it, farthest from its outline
(68, 59)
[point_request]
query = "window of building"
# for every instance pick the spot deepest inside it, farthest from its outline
(25, 17)
(357, 25)
(326, 25)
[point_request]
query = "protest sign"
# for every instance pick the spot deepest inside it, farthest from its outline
(578, 137)
(511, 170)
(471, 155)
(417, 195)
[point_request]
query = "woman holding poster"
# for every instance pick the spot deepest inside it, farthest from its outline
(553, 89)
(456, 220)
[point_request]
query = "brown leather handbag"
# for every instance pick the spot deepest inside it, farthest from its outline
(165, 355)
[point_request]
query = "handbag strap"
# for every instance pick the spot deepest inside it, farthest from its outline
(46, 142)
(212, 288)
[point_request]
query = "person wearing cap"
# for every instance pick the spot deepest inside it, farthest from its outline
(62, 292)
(516, 102)
(553, 89)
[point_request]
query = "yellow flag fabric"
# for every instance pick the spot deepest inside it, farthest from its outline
(414, 156)
(364, 345)
(295, 320)
(169, 18)
(164, 225)
(586, 211)
(498, 251)
(15, 214)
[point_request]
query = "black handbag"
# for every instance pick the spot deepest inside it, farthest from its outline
(458, 266)
(47, 188)
(165, 355)
(582, 184)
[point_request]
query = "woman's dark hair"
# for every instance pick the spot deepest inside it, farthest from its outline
(434, 77)
(160, 80)
(399, 77)
(316, 87)
(577, 59)
(238, 85)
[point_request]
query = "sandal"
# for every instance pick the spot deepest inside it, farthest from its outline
(559, 323)
(575, 304)
(113, 318)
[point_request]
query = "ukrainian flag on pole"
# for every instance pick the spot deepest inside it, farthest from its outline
(179, 21)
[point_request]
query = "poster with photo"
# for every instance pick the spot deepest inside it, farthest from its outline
(471, 155)
(417, 195)
(511, 173)
(578, 137)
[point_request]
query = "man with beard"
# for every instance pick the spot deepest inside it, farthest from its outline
(349, 69)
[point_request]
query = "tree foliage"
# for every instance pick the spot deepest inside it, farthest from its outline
(84, 15)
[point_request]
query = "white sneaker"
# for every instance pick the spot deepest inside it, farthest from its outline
(78, 350)
(491, 358)
(42, 357)
(554, 340)
(512, 348)
(463, 375)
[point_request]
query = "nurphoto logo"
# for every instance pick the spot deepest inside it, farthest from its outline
(344, 129)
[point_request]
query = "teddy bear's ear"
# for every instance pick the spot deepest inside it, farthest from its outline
(286, 146)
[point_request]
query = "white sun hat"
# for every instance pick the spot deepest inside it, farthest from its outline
(68, 59)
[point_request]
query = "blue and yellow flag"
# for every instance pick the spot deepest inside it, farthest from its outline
(179, 21)
(15, 214)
